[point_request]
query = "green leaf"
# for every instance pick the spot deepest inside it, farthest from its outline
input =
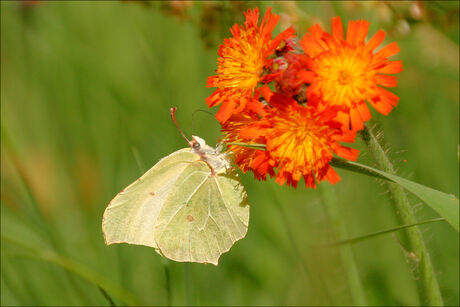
(445, 205)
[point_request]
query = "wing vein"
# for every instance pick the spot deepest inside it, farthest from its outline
(212, 218)
(225, 205)
(220, 230)
(191, 195)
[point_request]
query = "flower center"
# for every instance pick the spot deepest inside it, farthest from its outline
(299, 143)
(344, 77)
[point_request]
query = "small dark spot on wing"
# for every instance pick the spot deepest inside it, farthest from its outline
(190, 218)
(152, 193)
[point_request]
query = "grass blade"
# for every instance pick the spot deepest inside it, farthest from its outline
(350, 266)
(381, 232)
(76, 268)
(107, 296)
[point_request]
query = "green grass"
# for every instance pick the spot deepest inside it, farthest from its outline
(85, 86)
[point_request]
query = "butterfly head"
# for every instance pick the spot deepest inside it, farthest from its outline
(212, 156)
(199, 145)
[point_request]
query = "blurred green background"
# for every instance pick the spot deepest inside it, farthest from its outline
(86, 88)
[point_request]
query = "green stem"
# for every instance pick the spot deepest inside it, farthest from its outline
(346, 252)
(427, 283)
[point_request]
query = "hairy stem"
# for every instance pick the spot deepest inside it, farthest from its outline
(424, 272)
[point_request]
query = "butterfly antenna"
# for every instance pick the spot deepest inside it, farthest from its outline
(173, 116)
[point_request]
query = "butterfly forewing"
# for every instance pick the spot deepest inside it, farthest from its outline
(131, 216)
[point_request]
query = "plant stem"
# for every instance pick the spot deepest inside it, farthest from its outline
(427, 283)
(346, 252)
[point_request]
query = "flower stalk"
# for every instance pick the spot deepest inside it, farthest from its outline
(427, 282)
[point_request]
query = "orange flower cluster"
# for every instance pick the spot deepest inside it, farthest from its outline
(299, 100)
(243, 59)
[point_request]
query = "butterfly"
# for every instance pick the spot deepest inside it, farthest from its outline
(190, 206)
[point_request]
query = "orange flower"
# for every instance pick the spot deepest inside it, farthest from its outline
(300, 142)
(257, 161)
(348, 72)
(241, 63)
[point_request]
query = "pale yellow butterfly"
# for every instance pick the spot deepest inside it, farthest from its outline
(190, 206)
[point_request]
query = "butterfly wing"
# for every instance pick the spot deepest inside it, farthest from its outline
(132, 215)
(179, 208)
(203, 216)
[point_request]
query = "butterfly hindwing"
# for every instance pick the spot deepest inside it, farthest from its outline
(200, 222)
